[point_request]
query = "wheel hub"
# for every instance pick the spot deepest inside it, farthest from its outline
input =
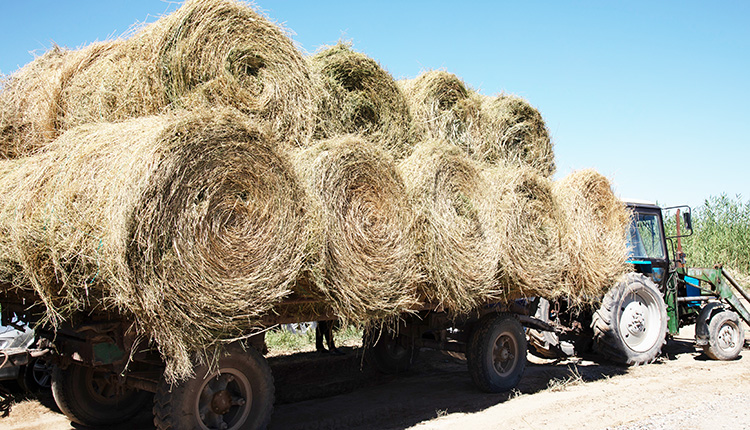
(637, 323)
(727, 337)
(503, 354)
(225, 401)
(221, 403)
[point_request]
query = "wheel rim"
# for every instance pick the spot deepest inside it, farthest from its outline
(728, 336)
(504, 354)
(225, 400)
(640, 323)
(103, 388)
(41, 372)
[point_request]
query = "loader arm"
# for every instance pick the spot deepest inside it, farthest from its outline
(722, 286)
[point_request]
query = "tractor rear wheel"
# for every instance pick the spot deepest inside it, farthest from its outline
(630, 327)
(496, 353)
(726, 336)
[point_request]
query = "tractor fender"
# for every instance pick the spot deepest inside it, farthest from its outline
(704, 319)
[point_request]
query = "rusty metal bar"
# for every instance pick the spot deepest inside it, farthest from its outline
(696, 299)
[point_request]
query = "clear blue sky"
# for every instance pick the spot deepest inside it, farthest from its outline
(655, 95)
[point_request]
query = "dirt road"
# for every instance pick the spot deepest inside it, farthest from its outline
(681, 391)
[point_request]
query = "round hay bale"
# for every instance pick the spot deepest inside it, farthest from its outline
(595, 238)
(528, 232)
(27, 101)
(441, 106)
(358, 96)
(208, 53)
(366, 257)
(190, 223)
(455, 229)
(509, 129)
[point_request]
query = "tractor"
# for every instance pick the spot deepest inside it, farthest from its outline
(656, 299)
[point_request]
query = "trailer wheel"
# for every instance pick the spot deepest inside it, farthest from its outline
(91, 396)
(726, 336)
(496, 353)
(390, 353)
(36, 377)
(237, 393)
(630, 327)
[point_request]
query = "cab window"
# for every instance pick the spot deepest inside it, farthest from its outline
(645, 237)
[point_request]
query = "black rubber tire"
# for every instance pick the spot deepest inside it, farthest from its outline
(36, 377)
(390, 353)
(83, 395)
(726, 336)
(179, 406)
(497, 340)
(622, 333)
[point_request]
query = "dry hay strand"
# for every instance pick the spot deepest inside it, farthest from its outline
(364, 256)
(208, 53)
(455, 228)
(594, 241)
(509, 129)
(442, 107)
(191, 224)
(528, 230)
(358, 96)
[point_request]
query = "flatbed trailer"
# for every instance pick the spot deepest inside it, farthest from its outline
(104, 374)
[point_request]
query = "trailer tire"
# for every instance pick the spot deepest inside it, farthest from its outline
(36, 377)
(238, 392)
(86, 396)
(496, 353)
(390, 353)
(630, 327)
(726, 336)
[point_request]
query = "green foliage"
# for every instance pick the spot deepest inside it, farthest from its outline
(721, 234)
(284, 341)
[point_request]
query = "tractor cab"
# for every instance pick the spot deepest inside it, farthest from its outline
(647, 243)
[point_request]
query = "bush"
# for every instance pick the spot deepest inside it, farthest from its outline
(721, 234)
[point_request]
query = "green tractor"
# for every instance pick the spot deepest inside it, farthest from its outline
(659, 297)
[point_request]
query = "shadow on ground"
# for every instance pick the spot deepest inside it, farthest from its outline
(319, 391)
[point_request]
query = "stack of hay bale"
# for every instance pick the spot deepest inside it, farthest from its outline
(193, 175)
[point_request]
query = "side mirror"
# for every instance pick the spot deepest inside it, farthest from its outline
(688, 220)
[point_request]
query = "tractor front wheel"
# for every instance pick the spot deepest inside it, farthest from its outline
(726, 336)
